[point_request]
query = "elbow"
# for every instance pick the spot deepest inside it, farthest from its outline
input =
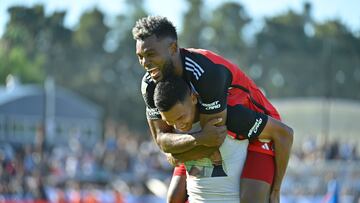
(284, 137)
(161, 142)
(289, 136)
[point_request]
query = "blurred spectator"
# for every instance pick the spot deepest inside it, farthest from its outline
(118, 167)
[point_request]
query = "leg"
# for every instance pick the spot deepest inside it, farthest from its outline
(257, 177)
(254, 191)
(177, 188)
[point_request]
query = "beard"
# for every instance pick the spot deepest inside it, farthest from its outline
(168, 69)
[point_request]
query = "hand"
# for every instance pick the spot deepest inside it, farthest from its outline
(275, 196)
(216, 158)
(211, 134)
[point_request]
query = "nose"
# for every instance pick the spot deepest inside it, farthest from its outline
(145, 62)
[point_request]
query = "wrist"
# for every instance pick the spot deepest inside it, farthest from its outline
(198, 138)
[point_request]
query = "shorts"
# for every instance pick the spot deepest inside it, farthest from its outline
(258, 166)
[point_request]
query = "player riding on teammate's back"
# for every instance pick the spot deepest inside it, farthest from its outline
(179, 107)
(218, 83)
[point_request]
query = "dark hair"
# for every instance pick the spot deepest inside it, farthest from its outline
(160, 26)
(170, 91)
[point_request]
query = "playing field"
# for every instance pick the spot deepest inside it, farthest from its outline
(318, 118)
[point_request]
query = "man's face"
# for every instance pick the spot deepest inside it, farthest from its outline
(155, 56)
(182, 115)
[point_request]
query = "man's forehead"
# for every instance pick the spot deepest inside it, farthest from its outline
(174, 112)
(146, 44)
(151, 42)
(143, 48)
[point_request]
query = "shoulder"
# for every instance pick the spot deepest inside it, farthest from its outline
(198, 64)
(207, 54)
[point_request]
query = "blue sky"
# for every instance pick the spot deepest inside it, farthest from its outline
(346, 10)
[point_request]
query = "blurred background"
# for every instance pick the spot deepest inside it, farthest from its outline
(72, 118)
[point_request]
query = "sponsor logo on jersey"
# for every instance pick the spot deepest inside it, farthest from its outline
(212, 105)
(153, 112)
(255, 127)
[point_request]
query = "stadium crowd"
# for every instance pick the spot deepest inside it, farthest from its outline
(316, 165)
(120, 167)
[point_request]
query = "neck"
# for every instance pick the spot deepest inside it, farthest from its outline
(197, 115)
(178, 63)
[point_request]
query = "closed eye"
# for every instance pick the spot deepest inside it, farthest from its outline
(170, 123)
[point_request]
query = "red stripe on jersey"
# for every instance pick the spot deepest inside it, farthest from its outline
(244, 96)
(239, 78)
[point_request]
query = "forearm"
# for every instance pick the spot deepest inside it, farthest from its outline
(176, 143)
(282, 154)
(169, 141)
(197, 152)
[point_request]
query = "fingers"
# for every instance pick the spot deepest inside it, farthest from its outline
(214, 121)
(222, 132)
(213, 135)
(222, 129)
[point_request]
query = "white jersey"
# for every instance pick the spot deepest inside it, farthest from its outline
(201, 187)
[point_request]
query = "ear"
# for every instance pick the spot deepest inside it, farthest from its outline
(194, 99)
(173, 47)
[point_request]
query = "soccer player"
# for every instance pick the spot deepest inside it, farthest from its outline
(218, 82)
(178, 107)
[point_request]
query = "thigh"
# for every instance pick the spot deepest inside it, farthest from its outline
(257, 177)
(254, 191)
(259, 166)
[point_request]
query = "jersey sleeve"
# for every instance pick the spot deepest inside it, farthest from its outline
(147, 91)
(212, 90)
(245, 122)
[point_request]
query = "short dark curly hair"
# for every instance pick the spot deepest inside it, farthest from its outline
(158, 25)
(170, 91)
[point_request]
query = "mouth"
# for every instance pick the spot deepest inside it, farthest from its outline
(184, 129)
(156, 77)
(154, 73)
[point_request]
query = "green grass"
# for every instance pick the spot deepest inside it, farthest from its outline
(334, 119)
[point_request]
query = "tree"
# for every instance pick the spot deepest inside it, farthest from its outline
(299, 57)
(342, 55)
(284, 56)
(193, 25)
(123, 73)
(87, 57)
(227, 23)
(20, 44)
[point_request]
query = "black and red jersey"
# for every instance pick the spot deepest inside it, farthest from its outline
(219, 83)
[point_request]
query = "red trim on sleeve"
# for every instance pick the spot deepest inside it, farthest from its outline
(179, 170)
